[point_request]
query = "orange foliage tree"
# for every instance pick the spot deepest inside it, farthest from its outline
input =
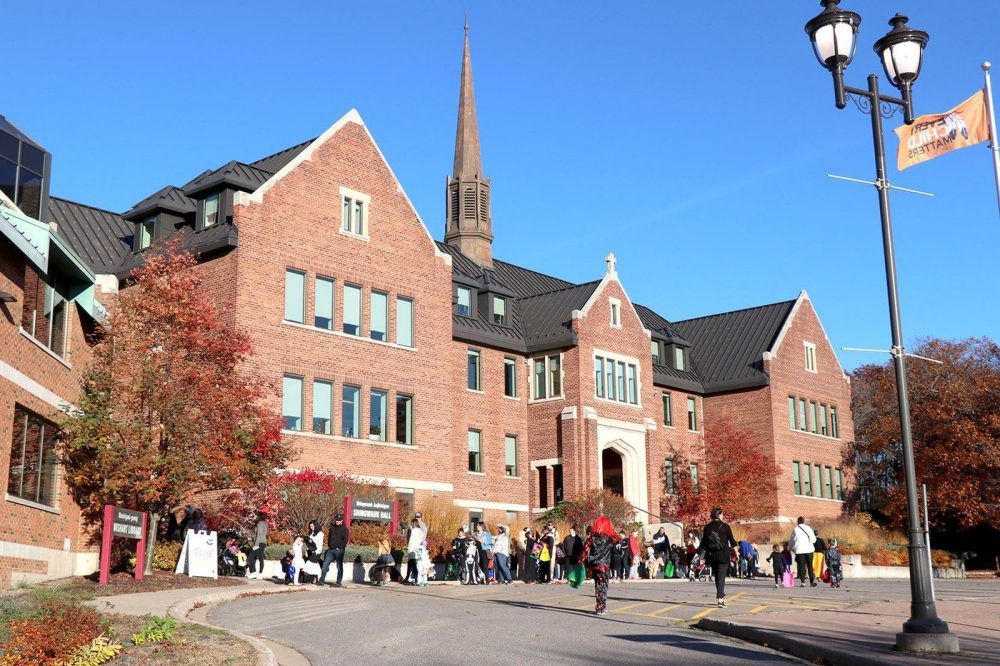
(955, 415)
(734, 475)
(168, 406)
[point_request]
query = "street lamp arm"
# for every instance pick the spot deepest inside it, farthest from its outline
(898, 101)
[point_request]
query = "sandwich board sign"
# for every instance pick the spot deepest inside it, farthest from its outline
(199, 555)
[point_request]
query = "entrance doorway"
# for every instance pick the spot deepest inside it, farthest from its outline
(614, 475)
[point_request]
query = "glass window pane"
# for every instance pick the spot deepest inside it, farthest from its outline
(822, 420)
(802, 414)
(352, 309)
(29, 193)
(632, 384)
(694, 476)
(351, 412)
(827, 483)
(668, 417)
(9, 146)
(404, 322)
(499, 310)
(692, 414)
(379, 316)
(475, 452)
(346, 215)
(404, 419)
(807, 480)
(791, 412)
(834, 426)
(146, 230)
(812, 417)
(8, 175)
(555, 376)
(32, 158)
(322, 407)
(295, 296)
(599, 376)
(510, 455)
(654, 348)
(211, 215)
(473, 370)
(359, 218)
(610, 375)
(510, 377)
(679, 358)
(15, 471)
(464, 301)
(377, 415)
(57, 342)
(668, 471)
(838, 482)
(539, 378)
(795, 477)
(620, 375)
(291, 404)
(324, 303)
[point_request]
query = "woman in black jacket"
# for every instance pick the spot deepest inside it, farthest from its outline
(596, 556)
(718, 544)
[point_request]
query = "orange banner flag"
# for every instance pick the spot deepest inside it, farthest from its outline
(939, 133)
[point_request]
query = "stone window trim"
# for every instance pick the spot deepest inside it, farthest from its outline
(831, 416)
(628, 361)
(548, 388)
(14, 499)
(809, 349)
(348, 336)
(41, 345)
(347, 194)
(615, 312)
(351, 440)
(687, 412)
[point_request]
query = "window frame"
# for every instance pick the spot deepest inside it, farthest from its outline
(477, 376)
(302, 295)
(509, 377)
(478, 452)
(809, 349)
(615, 312)
(349, 224)
(329, 406)
(547, 377)
(355, 411)
(516, 473)
(796, 477)
(46, 465)
(284, 395)
(383, 311)
(669, 476)
(215, 197)
(348, 286)
(141, 230)
(400, 300)
(470, 309)
(322, 279)
(407, 420)
(383, 426)
(502, 319)
(692, 412)
(680, 359)
(668, 409)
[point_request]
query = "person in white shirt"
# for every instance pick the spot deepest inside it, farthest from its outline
(415, 551)
(298, 560)
(803, 544)
(315, 552)
(501, 553)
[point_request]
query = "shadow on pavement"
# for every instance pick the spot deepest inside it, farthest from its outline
(696, 645)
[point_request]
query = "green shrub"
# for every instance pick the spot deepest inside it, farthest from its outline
(157, 630)
(94, 653)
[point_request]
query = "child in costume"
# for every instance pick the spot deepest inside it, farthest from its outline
(777, 560)
(652, 563)
(834, 563)
(298, 559)
(287, 567)
(596, 556)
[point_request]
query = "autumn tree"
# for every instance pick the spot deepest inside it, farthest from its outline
(168, 406)
(734, 474)
(584, 508)
(955, 417)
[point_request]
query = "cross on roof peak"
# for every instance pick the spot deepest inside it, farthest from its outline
(611, 262)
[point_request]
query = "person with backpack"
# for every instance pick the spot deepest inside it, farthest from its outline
(596, 556)
(804, 545)
(834, 564)
(718, 544)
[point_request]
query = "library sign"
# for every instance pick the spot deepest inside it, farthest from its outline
(123, 524)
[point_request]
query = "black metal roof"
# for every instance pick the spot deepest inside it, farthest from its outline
(100, 237)
(660, 327)
(727, 349)
(220, 236)
(236, 174)
(276, 162)
(169, 198)
(548, 317)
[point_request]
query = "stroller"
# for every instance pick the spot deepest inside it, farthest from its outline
(232, 557)
(698, 570)
(471, 573)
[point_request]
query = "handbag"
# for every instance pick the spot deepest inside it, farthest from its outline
(536, 550)
(668, 571)
(787, 579)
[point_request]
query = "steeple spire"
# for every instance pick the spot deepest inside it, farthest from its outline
(468, 225)
(468, 163)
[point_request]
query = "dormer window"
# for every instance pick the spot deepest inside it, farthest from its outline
(210, 211)
(354, 215)
(654, 347)
(146, 229)
(679, 360)
(463, 301)
(500, 310)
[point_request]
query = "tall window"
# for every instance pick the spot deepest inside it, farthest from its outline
(380, 316)
(838, 484)
(146, 229)
(834, 426)
(620, 380)
(475, 451)
(813, 418)
(827, 482)
(377, 416)
(404, 418)
(295, 296)
(322, 407)
(510, 455)
(632, 381)
(654, 347)
(810, 350)
(404, 321)
(679, 358)
(32, 472)
(547, 377)
(796, 482)
(616, 306)
(692, 414)
(609, 373)
(668, 414)
(823, 430)
(802, 414)
(668, 473)
(510, 378)
(807, 480)
(352, 309)
(324, 303)
(45, 310)
(350, 411)
(464, 301)
(791, 412)
(694, 477)
(599, 376)
(211, 211)
(474, 376)
(499, 310)
(353, 217)
(291, 402)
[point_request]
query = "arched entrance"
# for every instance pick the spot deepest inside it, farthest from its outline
(613, 468)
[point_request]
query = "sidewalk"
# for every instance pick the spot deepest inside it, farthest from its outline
(866, 634)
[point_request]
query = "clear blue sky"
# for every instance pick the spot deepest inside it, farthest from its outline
(691, 138)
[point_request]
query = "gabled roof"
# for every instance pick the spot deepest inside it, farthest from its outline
(168, 198)
(548, 317)
(274, 163)
(101, 238)
(659, 325)
(728, 348)
(239, 175)
(219, 236)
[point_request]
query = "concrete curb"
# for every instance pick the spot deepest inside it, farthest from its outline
(816, 653)
(265, 655)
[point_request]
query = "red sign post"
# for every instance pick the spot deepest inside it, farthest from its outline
(126, 524)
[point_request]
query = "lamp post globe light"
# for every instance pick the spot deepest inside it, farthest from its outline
(833, 33)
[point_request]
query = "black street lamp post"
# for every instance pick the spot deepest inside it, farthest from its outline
(834, 36)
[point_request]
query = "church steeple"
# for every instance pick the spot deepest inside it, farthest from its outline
(468, 225)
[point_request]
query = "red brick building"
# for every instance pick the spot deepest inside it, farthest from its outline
(451, 373)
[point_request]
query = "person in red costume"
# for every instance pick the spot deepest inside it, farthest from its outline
(596, 556)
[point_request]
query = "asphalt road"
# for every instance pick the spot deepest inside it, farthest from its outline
(648, 622)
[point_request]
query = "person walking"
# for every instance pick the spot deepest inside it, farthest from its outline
(804, 545)
(818, 555)
(501, 552)
(620, 556)
(777, 560)
(545, 558)
(485, 540)
(661, 546)
(572, 546)
(414, 553)
(596, 556)
(339, 536)
(635, 555)
(834, 563)
(314, 549)
(529, 565)
(719, 546)
(259, 546)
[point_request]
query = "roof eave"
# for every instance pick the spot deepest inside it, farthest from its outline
(737, 384)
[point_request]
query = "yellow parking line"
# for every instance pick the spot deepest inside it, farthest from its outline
(701, 614)
(631, 606)
(758, 609)
(656, 613)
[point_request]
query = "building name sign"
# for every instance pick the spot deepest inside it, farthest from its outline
(379, 511)
(127, 523)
